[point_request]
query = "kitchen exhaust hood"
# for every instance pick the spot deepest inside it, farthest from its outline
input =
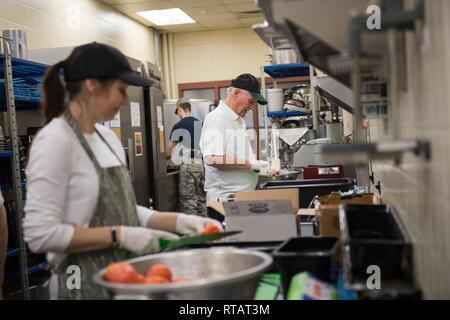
(271, 37)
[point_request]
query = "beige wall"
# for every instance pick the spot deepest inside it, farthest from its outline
(421, 191)
(64, 23)
(217, 55)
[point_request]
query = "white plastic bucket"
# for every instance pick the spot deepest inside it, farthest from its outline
(18, 44)
(274, 99)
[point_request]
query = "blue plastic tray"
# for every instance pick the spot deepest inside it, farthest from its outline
(284, 114)
(280, 71)
(6, 154)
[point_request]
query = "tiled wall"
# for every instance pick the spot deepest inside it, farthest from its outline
(63, 23)
(421, 191)
(218, 55)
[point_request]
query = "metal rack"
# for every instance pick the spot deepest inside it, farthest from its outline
(281, 71)
(17, 76)
(338, 49)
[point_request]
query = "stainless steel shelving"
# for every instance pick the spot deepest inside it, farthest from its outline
(22, 75)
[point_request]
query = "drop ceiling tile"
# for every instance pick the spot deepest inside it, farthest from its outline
(238, 1)
(213, 23)
(110, 2)
(195, 3)
(251, 21)
(206, 10)
(116, 2)
(216, 28)
(136, 7)
(242, 7)
(140, 19)
(209, 14)
(212, 17)
(184, 28)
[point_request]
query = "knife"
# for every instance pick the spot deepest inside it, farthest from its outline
(182, 242)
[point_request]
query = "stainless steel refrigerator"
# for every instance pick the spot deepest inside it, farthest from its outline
(142, 135)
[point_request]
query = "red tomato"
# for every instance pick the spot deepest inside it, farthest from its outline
(210, 229)
(181, 279)
(139, 278)
(121, 272)
(160, 270)
(155, 279)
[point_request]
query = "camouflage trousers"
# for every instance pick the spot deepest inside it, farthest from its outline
(191, 195)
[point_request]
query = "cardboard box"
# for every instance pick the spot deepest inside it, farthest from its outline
(308, 225)
(261, 220)
(329, 221)
(279, 194)
(307, 212)
(328, 211)
(305, 286)
(262, 215)
(335, 198)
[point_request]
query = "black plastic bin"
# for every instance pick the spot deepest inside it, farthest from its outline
(373, 235)
(312, 254)
(308, 189)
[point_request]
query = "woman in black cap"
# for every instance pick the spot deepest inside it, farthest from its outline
(80, 208)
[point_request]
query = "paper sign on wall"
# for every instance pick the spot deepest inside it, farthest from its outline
(161, 141)
(105, 124)
(117, 132)
(159, 117)
(135, 114)
(115, 123)
(138, 143)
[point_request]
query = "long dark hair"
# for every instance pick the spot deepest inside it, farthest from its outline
(54, 91)
(52, 104)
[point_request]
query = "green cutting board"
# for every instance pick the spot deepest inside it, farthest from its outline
(186, 241)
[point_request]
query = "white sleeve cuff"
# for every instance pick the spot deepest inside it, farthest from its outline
(67, 232)
(144, 215)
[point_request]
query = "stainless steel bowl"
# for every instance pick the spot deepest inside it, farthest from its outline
(216, 273)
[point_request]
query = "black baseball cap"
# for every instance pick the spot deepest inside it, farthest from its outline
(248, 82)
(101, 61)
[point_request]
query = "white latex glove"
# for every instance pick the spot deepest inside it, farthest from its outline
(261, 166)
(191, 224)
(142, 240)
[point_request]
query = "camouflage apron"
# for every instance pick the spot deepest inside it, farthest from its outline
(116, 205)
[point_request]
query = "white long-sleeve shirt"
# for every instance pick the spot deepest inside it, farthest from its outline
(63, 186)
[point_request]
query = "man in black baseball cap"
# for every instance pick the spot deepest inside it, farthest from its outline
(101, 61)
(248, 82)
(230, 163)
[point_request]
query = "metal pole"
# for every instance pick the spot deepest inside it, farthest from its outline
(266, 121)
(362, 172)
(357, 116)
(313, 98)
(393, 111)
(17, 178)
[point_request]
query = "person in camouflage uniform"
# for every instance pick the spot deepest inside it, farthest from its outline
(183, 149)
